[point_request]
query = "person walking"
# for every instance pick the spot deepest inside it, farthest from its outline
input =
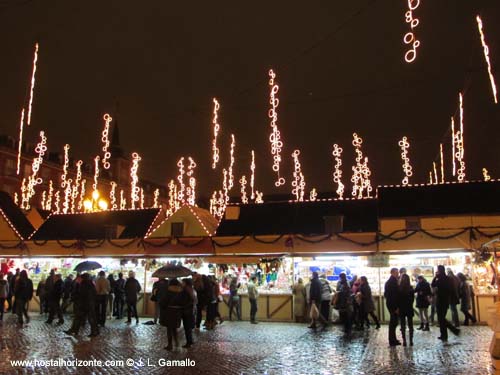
(66, 299)
(4, 293)
(391, 294)
(406, 299)
(424, 296)
(356, 316)
(367, 306)
(119, 295)
(111, 297)
(444, 292)
(54, 299)
(171, 306)
(132, 288)
(189, 301)
(42, 297)
(326, 298)
(343, 303)
(465, 299)
(159, 287)
(103, 288)
(12, 284)
(10, 275)
(199, 287)
(23, 292)
(253, 295)
(454, 297)
(234, 298)
(84, 302)
(315, 296)
(299, 301)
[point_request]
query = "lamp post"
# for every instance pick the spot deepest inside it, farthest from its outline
(96, 203)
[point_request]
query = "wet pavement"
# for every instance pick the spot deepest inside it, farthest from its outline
(240, 348)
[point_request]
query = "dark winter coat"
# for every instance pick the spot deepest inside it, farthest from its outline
(119, 288)
(406, 299)
(367, 300)
(132, 288)
(85, 295)
(423, 291)
(444, 290)
(315, 292)
(23, 289)
(454, 295)
(391, 293)
(57, 291)
(172, 303)
(68, 286)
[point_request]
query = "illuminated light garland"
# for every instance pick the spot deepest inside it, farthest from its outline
(112, 196)
(33, 180)
(243, 183)
(409, 38)
(24, 195)
(231, 164)
(123, 200)
(430, 177)
(361, 172)
(442, 162)
(173, 202)
(366, 172)
(215, 149)
(67, 196)
(76, 186)
(74, 196)
(460, 142)
(337, 174)
(454, 166)
(487, 58)
(180, 178)
(275, 137)
(96, 172)
(134, 189)
(48, 204)
(313, 195)
(225, 185)
(486, 176)
(105, 140)
(44, 198)
(56, 203)
(156, 196)
(252, 177)
(218, 204)
(259, 197)
(142, 199)
(65, 166)
(298, 183)
(82, 195)
(435, 172)
(16, 199)
(407, 168)
(20, 145)
(191, 189)
(32, 88)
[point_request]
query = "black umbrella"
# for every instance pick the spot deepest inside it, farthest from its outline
(87, 266)
(171, 270)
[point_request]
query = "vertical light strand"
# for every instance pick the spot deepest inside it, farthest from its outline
(243, 184)
(112, 196)
(461, 145)
(404, 144)
(486, 175)
(435, 172)
(76, 186)
(191, 189)
(34, 180)
(172, 198)
(32, 87)
(275, 137)
(67, 196)
(142, 199)
(216, 128)
(65, 166)
(337, 174)
(442, 162)
(82, 195)
(96, 172)
(252, 177)
(180, 178)
(409, 38)
(48, 203)
(20, 144)
(156, 196)
(134, 180)
(123, 200)
(486, 51)
(313, 195)
(225, 186)
(105, 140)
(57, 202)
(231, 163)
(298, 182)
(453, 156)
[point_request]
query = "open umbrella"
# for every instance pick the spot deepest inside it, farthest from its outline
(172, 270)
(87, 266)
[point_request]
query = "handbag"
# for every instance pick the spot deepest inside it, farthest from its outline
(153, 298)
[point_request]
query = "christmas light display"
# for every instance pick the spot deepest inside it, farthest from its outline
(180, 179)
(231, 164)
(112, 196)
(361, 172)
(32, 88)
(215, 149)
(298, 183)
(337, 174)
(486, 176)
(313, 195)
(16, 199)
(252, 177)
(82, 195)
(33, 180)
(123, 200)
(442, 162)
(48, 204)
(156, 196)
(191, 189)
(173, 202)
(225, 186)
(96, 172)
(409, 38)
(453, 156)
(430, 177)
(218, 204)
(134, 189)
(57, 202)
(435, 172)
(65, 166)
(243, 184)
(44, 198)
(275, 137)
(460, 142)
(407, 169)
(487, 58)
(142, 199)
(105, 140)
(259, 197)
(76, 187)
(20, 144)
(67, 196)
(24, 195)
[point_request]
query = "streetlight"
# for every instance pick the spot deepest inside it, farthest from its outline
(95, 204)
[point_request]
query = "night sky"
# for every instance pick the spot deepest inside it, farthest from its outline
(339, 65)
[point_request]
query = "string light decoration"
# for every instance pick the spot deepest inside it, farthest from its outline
(225, 186)
(82, 195)
(243, 183)
(24, 195)
(96, 172)
(409, 39)
(486, 175)
(134, 189)
(105, 140)
(337, 174)
(275, 137)
(298, 183)
(57, 202)
(67, 196)
(16, 199)
(435, 172)
(112, 196)
(252, 177)
(313, 195)
(76, 186)
(32, 88)
(231, 164)
(142, 199)
(216, 126)
(218, 204)
(460, 142)
(453, 139)
(180, 178)
(442, 162)
(65, 166)
(487, 58)
(404, 144)
(156, 196)
(191, 189)
(173, 202)
(259, 197)
(361, 172)
(123, 200)
(33, 180)
(48, 204)
(430, 177)
(20, 144)
(44, 198)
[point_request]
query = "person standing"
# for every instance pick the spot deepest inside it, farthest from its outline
(465, 299)
(202, 298)
(42, 297)
(4, 293)
(344, 303)
(102, 288)
(424, 295)
(23, 292)
(159, 287)
(172, 305)
(391, 294)
(444, 291)
(234, 298)
(326, 298)
(111, 297)
(12, 288)
(54, 299)
(406, 299)
(189, 301)
(10, 275)
(299, 307)
(253, 295)
(66, 300)
(132, 289)
(315, 296)
(367, 306)
(119, 295)
(84, 301)
(454, 297)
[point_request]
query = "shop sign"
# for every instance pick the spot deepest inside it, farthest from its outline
(378, 260)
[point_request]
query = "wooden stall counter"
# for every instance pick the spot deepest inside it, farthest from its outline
(271, 307)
